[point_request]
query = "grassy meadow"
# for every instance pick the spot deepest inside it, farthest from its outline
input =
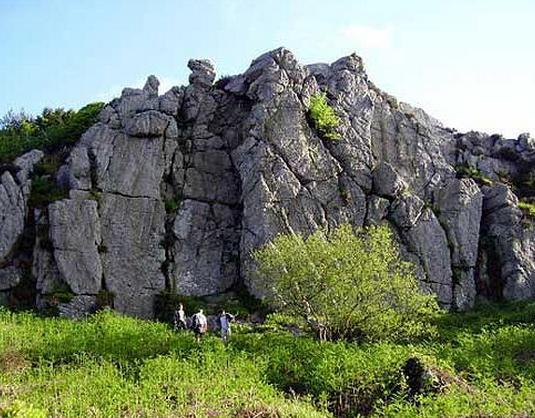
(480, 364)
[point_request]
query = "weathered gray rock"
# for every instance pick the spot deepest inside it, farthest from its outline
(411, 141)
(206, 249)
(124, 165)
(386, 181)
(151, 86)
(173, 192)
(171, 101)
(26, 163)
(14, 191)
(44, 266)
(148, 124)
(424, 237)
(9, 277)
(79, 307)
(13, 212)
(132, 238)
(508, 245)
(406, 211)
(428, 241)
(459, 205)
(202, 72)
(377, 210)
(75, 235)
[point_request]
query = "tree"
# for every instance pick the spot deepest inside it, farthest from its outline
(345, 284)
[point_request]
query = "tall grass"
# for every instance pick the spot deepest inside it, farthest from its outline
(113, 366)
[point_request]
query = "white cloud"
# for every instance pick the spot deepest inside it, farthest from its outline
(368, 37)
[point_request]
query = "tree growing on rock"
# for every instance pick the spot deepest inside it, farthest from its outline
(346, 284)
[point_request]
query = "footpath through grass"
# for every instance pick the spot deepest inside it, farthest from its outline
(482, 364)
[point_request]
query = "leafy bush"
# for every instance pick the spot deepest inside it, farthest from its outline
(323, 116)
(345, 284)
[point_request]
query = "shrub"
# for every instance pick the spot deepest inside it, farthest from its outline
(171, 204)
(323, 116)
(44, 190)
(466, 171)
(21, 409)
(345, 284)
(61, 293)
(105, 299)
(528, 208)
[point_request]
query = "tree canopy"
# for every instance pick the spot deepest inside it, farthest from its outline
(21, 132)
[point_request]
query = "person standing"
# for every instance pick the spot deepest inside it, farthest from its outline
(180, 318)
(199, 325)
(224, 321)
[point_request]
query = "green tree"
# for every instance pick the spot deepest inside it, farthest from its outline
(346, 284)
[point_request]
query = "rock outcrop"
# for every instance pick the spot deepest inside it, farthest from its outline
(15, 183)
(173, 191)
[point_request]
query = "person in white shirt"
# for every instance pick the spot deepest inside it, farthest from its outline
(199, 325)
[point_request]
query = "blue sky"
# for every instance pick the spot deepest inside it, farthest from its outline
(470, 63)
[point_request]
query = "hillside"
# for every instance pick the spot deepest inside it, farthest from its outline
(170, 193)
(480, 365)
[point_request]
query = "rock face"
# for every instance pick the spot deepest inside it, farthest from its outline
(15, 186)
(173, 191)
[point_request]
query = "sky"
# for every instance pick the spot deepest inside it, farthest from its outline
(469, 63)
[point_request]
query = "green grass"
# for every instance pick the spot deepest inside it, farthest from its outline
(114, 366)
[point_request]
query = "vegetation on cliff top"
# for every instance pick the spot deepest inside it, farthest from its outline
(20, 132)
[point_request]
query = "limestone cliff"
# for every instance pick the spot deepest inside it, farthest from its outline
(173, 191)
